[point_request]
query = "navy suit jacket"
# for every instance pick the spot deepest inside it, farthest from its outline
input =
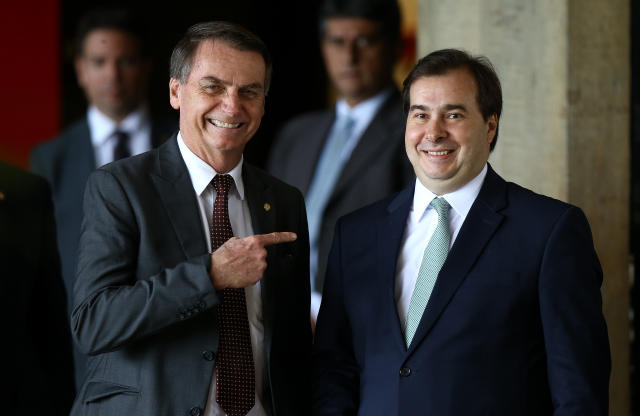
(144, 304)
(514, 325)
(37, 365)
(66, 162)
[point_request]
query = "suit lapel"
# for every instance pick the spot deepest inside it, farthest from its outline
(305, 167)
(478, 228)
(390, 231)
(173, 183)
(82, 143)
(374, 140)
(263, 209)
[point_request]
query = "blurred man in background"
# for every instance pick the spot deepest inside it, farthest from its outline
(351, 155)
(112, 67)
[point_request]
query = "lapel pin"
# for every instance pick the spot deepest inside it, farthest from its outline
(267, 206)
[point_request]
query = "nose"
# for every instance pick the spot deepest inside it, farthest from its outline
(113, 71)
(231, 103)
(434, 130)
(352, 52)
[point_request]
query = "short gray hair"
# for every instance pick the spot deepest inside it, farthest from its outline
(231, 34)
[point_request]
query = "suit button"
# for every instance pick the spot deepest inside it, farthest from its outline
(195, 411)
(405, 372)
(208, 355)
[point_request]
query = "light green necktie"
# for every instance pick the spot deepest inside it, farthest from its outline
(432, 260)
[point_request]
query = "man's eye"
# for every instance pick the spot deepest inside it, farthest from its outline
(97, 62)
(453, 115)
(212, 88)
(336, 42)
(364, 41)
(420, 115)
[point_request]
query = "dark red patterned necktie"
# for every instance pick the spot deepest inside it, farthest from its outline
(235, 381)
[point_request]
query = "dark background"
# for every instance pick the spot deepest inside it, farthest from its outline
(287, 27)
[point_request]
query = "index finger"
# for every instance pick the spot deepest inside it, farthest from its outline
(276, 238)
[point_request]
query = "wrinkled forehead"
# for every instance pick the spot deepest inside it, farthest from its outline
(217, 59)
(107, 39)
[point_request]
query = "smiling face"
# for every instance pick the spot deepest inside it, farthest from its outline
(447, 139)
(221, 104)
(359, 60)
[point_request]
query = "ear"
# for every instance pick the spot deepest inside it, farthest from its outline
(174, 93)
(492, 128)
(79, 66)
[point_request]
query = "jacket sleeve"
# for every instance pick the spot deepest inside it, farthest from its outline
(575, 333)
(112, 305)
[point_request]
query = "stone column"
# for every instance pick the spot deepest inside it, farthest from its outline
(565, 72)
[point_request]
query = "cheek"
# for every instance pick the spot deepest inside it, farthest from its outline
(412, 137)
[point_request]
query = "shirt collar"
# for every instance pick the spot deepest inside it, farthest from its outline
(460, 200)
(202, 173)
(365, 110)
(102, 127)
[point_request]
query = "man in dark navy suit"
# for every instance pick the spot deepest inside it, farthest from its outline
(112, 67)
(463, 294)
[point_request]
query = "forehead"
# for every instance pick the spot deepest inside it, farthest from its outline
(351, 26)
(219, 60)
(456, 86)
(105, 40)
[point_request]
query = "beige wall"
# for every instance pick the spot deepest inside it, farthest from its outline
(564, 65)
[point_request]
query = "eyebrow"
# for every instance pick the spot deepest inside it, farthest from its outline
(220, 81)
(446, 107)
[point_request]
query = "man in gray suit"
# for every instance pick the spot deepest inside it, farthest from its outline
(166, 301)
(112, 67)
(351, 155)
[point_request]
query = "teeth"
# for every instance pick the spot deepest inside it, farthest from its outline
(442, 153)
(219, 123)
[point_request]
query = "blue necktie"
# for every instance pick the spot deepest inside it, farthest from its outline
(324, 180)
(432, 260)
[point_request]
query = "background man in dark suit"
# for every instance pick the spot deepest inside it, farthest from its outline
(153, 292)
(351, 155)
(464, 294)
(112, 68)
(37, 366)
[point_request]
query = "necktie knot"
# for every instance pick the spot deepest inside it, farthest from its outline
(222, 183)
(345, 127)
(441, 206)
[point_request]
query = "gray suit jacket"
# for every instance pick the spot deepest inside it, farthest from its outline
(377, 167)
(144, 305)
(66, 162)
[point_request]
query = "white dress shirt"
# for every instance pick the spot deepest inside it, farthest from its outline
(137, 125)
(362, 114)
(421, 223)
(201, 176)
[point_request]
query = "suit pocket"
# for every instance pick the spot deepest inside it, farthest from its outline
(100, 390)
